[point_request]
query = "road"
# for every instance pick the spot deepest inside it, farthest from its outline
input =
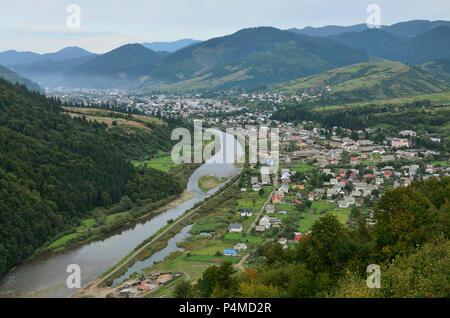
(275, 183)
(93, 288)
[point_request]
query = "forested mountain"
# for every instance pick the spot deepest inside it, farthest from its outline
(401, 29)
(430, 45)
(247, 58)
(439, 66)
(368, 81)
(115, 68)
(54, 170)
(330, 30)
(13, 57)
(170, 46)
(13, 77)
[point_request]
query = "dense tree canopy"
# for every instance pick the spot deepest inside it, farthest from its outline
(54, 170)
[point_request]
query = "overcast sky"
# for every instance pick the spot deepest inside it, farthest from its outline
(41, 26)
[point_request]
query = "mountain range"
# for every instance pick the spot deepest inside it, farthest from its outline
(369, 81)
(15, 78)
(249, 58)
(402, 29)
(170, 46)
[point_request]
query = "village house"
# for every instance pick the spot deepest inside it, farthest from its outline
(408, 133)
(282, 241)
(346, 202)
(240, 247)
(265, 221)
(276, 199)
(235, 228)
(246, 212)
(398, 143)
(230, 253)
(260, 228)
(354, 161)
(270, 208)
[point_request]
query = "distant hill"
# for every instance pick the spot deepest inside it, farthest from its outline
(439, 66)
(170, 46)
(431, 45)
(12, 57)
(50, 73)
(372, 41)
(415, 27)
(330, 30)
(402, 29)
(368, 81)
(115, 68)
(247, 58)
(13, 77)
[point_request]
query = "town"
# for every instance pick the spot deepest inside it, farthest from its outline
(321, 170)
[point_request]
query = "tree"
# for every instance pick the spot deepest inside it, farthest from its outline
(328, 246)
(226, 282)
(184, 289)
(405, 218)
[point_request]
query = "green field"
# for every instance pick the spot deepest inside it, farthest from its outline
(63, 240)
(163, 163)
(240, 238)
(213, 247)
(305, 224)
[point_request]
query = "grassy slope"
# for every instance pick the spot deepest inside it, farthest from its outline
(381, 80)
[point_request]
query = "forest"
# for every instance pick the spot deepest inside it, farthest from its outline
(409, 242)
(55, 170)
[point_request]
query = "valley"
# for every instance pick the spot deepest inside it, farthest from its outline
(334, 155)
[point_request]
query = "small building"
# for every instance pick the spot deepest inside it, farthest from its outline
(270, 209)
(240, 247)
(260, 228)
(276, 199)
(398, 143)
(230, 253)
(235, 228)
(354, 161)
(265, 221)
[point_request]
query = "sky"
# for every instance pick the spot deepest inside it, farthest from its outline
(41, 26)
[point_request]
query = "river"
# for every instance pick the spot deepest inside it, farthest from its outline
(46, 276)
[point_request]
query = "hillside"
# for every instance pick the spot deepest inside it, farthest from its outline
(13, 57)
(50, 73)
(368, 81)
(13, 77)
(402, 29)
(54, 170)
(430, 45)
(247, 58)
(115, 68)
(439, 66)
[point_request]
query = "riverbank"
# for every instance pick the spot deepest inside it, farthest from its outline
(153, 244)
(46, 277)
(92, 229)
